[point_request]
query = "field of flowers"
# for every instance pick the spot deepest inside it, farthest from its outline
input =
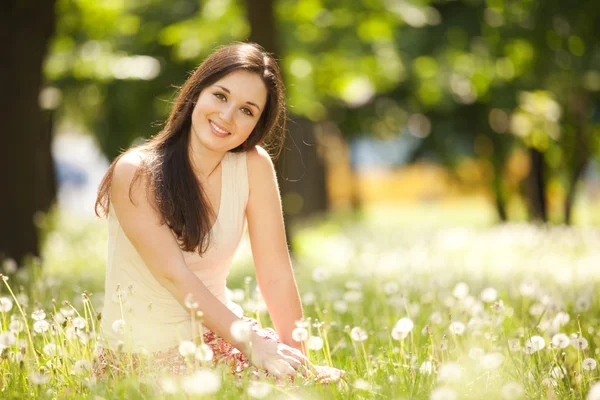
(409, 310)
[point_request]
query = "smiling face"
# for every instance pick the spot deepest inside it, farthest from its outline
(227, 111)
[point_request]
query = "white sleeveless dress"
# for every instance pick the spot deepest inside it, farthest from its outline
(149, 319)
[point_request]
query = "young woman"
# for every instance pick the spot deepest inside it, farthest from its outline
(177, 207)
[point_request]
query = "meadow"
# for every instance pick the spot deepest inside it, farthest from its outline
(435, 304)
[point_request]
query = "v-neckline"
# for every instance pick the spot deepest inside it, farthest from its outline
(221, 197)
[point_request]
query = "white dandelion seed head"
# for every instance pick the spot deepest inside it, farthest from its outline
(449, 372)
(67, 311)
(498, 307)
(190, 302)
(38, 315)
(443, 393)
(241, 331)
(353, 285)
(527, 288)
(16, 326)
(358, 334)
(39, 378)
(300, 334)
(7, 339)
(315, 343)
(488, 295)
(461, 290)
(82, 367)
(168, 385)
(6, 304)
(558, 373)
(79, 323)
(50, 349)
(320, 275)
(361, 384)
(426, 368)
(492, 360)
(457, 328)
(204, 353)
(561, 341)
(10, 266)
(118, 327)
(513, 391)
(59, 318)
(340, 306)
(303, 323)
(391, 288)
(353, 296)
(562, 318)
(582, 304)
(82, 336)
(514, 344)
(203, 382)
(537, 343)
(187, 348)
(398, 333)
(475, 353)
(589, 364)
(70, 332)
(404, 325)
(580, 343)
(237, 295)
(258, 389)
(436, 318)
(309, 298)
(41, 326)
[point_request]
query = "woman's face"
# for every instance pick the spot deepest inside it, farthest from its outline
(227, 111)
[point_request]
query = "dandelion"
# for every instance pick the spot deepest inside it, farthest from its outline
(404, 325)
(6, 304)
(203, 382)
(589, 364)
(443, 393)
(303, 323)
(190, 302)
(16, 326)
(7, 339)
(22, 299)
(527, 289)
(426, 368)
(237, 295)
(59, 318)
(492, 360)
(82, 367)
(41, 326)
(512, 391)
(562, 318)
(300, 334)
(39, 378)
(67, 311)
(320, 275)
(309, 298)
(79, 323)
(353, 296)
(258, 390)
(536, 309)
(361, 384)
(38, 315)
(315, 343)
(514, 345)
(461, 290)
(561, 341)
(436, 318)
(390, 288)
(168, 385)
(118, 327)
(457, 328)
(358, 334)
(475, 353)
(50, 349)
(70, 331)
(535, 343)
(187, 348)
(241, 331)
(582, 304)
(488, 295)
(579, 343)
(498, 307)
(449, 372)
(10, 266)
(204, 353)
(549, 383)
(353, 285)
(558, 373)
(340, 306)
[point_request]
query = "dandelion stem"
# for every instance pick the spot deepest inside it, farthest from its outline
(24, 320)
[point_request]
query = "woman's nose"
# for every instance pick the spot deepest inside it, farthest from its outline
(227, 114)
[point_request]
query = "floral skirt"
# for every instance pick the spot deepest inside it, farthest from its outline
(108, 362)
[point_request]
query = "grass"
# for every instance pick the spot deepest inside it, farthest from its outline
(409, 303)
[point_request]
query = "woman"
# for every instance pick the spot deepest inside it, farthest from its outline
(177, 208)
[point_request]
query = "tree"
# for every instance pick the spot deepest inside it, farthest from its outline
(25, 163)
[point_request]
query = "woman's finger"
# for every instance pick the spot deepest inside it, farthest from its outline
(293, 362)
(271, 368)
(286, 368)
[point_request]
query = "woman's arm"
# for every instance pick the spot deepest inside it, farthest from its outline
(158, 247)
(274, 271)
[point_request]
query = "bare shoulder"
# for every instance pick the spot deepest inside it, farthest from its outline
(125, 169)
(258, 160)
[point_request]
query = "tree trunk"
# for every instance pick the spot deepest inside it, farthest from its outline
(45, 172)
(26, 26)
(500, 202)
(571, 190)
(536, 186)
(300, 168)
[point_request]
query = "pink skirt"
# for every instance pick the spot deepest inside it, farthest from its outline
(107, 362)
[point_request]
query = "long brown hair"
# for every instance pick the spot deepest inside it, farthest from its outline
(172, 184)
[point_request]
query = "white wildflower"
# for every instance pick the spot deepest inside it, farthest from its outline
(436, 318)
(6, 304)
(79, 323)
(562, 318)
(535, 343)
(41, 326)
(241, 331)
(475, 353)
(7, 339)
(353, 285)
(579, 343)
(258, 390)
(390, 288)
(353, 296)
(190, 302)
(492, 360)
(537, 309)
(320, 275)
(16, 326)
(70, 332)
(582, 304)
(449, 372)
(59, 318)
(39, 378)
(237, 295)
(426, 368)
(118, 327)
(50, 349)
(461, 290)
(300, 334)
(443, 393)
(514, 344)
(358, 334)
(187, 348)
(457, 328)
(513, 391)
(315, 343)
(361, 384)
(204, 353)
(488, 295)
(558, 373)
(203, 382)
(561, 341)
(82, 367)
(589, 364)
(309, 298)
(168, 385)
(402, 328)
(527, 289)
(10, 266)
(38, 315)
(340, 306)
(67, 311)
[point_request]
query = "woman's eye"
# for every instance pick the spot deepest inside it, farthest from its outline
(247, 111)
(220, 96)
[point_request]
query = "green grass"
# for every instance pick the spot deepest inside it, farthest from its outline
(473, 291)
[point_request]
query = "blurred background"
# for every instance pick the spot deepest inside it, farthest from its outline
(439, 111)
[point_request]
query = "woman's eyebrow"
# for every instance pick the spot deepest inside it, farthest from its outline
(229, 92)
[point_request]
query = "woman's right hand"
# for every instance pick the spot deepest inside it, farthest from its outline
(277, 358)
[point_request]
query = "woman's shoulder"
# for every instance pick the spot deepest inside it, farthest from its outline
(258, 158)
(128, 164)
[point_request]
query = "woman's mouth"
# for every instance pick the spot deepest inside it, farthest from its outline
(218, 131)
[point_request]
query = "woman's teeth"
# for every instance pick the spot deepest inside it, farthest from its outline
(216, 128)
